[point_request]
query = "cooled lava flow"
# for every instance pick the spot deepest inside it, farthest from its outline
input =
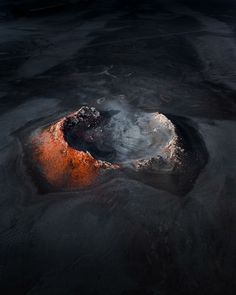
(73, 152)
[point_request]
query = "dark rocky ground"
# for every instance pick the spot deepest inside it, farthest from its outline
(122, 236)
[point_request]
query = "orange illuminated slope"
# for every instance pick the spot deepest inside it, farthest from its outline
(61, 165)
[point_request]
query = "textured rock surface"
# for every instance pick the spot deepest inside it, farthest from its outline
(162, 235)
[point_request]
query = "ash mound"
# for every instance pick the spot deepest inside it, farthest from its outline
(82, 148)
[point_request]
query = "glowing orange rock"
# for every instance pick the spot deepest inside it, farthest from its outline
(62, 166)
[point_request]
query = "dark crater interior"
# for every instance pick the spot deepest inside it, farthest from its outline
(84, 129)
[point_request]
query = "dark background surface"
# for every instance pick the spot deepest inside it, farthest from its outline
(122, 237)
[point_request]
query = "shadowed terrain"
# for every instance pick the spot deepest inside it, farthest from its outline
(123, 235)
